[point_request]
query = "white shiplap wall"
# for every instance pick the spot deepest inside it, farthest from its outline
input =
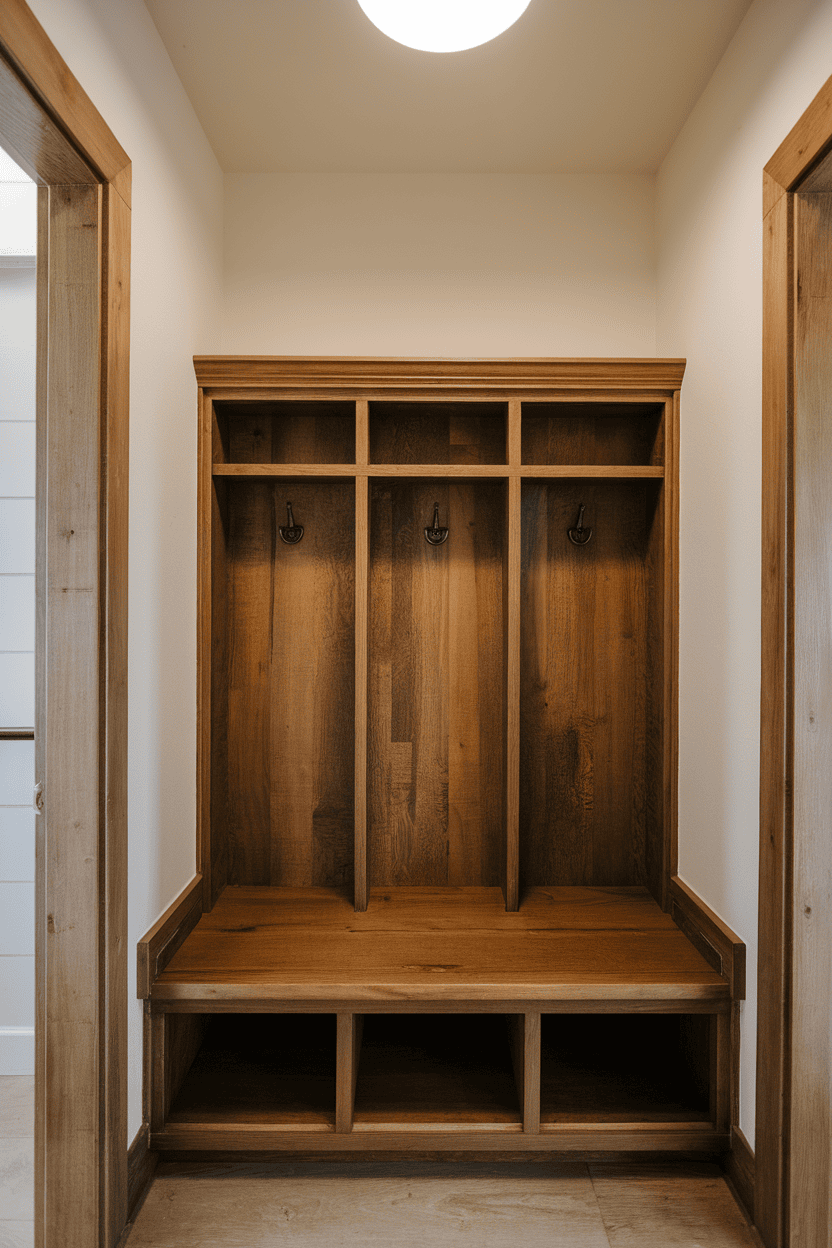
(18, 215)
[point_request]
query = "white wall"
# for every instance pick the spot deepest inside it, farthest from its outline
(439, 264)
(709, 227)
(114, 50)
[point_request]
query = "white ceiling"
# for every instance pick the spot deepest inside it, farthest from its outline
(574, 86)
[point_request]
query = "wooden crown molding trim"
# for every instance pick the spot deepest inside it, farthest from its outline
(161, 941)
(718, 944)
(46, 76)
(463, 375)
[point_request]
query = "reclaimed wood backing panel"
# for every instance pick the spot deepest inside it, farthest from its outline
(584, 718)
(437, 433)
(288, 432)
(291, 698)
(592, 433)
(436, 684)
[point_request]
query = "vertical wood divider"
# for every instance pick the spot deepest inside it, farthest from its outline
(531, 1083)
(204, 857)
(362, 588)
(670, 717)
(158, 1058)
(524, 1040)
(350, 1028)
(511, 598)
(721, 1071)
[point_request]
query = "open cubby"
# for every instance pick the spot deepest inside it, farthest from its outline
(260, 432)
(438, 433)
(283, 683)
(253, 1069)
(647, 1068)
(436, 784)
(436, 683)
(593, 433)
(591, 685)
(434, 1069)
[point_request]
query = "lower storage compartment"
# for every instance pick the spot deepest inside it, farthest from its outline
(621, 1068)
(269, 1069)
(436, 1071)
(600, 1082)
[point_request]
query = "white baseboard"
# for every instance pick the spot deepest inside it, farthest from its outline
(17, 1051)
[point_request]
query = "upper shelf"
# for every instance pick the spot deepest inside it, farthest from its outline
(464, 438)
(323, 471)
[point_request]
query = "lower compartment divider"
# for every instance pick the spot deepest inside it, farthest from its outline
(524, 1040)
(348, 1055)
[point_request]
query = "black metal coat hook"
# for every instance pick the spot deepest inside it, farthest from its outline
(290, 532)
(579, 535)
(435, 534)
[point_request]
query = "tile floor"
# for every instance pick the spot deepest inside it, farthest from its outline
(16, 1162)
(435, 1205)
(398, 1204)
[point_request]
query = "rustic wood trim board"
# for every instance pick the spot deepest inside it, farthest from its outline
(51, 128)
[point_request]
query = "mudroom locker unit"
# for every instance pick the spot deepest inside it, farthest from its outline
(436, 906)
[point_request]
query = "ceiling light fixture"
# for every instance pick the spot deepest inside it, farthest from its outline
(443, 25)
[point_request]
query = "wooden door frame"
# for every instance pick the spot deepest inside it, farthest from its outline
(781, 1144)
(55, 133)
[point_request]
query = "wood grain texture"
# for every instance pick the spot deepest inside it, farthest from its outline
(592, 433)
(366, 375)
(584, 715)
(664, 1209)
(524, 1042)
(305, 944)
(598, 1139)
(438, 433)
(24, 43)
(82, 434)
(663, 735)
(160, 942)
(740, 1169)
(433, 1071)
(512, 556)
(807, 140)
(776, 730)
(115, 264)
(810, 1129)
(141, 1165)
(291, 696)
(719, 945)
(352, 1205)
(31, 138)
(436, 685)
(350, 1032)
(287, 432)
(362, 660)
(73, 784)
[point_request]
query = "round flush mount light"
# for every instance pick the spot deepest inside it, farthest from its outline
(443, 25)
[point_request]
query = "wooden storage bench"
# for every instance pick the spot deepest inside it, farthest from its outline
(436, 906)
